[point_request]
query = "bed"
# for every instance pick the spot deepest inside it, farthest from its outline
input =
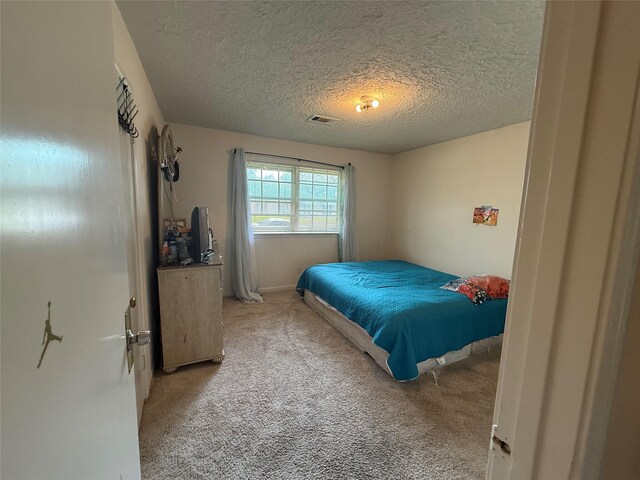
(397, 313)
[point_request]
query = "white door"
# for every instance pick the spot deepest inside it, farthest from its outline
(72, 416)
(577, 244)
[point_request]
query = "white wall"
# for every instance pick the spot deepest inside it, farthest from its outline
(434, 192)
(128, 61)
(204, 180)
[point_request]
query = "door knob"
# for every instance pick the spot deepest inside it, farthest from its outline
(142, 338)
(132, 302)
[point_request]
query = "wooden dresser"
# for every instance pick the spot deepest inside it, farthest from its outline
(191, 314)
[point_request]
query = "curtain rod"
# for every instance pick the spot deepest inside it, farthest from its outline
(295, 158)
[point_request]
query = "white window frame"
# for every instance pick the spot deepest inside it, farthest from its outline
(263, 162)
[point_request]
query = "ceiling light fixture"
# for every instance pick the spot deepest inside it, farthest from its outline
(366, 103)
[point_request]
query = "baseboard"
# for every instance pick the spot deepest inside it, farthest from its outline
(277, 289)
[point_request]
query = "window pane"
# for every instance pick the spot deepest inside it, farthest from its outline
(285, 190)
(285, 207)
(332, 207)
(319, 178)
(256, 208)
(305, 223)
(281, 223)
(270, 175)
(254, 188)
(319, 192)
(320, 207)
(332, 193)
(285, 176)
(306, 191)
(332, 179)
(270, 208)
(253, 173)
(269, 190)
(319, 223)
(306, 176)
(306, 205)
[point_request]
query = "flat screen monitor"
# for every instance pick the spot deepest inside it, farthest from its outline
(200, 234)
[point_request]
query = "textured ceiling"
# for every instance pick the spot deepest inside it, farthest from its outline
(441, 70)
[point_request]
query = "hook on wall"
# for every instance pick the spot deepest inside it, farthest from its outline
(127, 110)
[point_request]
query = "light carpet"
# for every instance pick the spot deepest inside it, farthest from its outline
(295, 399)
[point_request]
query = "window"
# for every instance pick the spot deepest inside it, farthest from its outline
(288, 198)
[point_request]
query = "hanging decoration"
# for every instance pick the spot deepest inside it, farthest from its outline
(169, 166)
(168, 156)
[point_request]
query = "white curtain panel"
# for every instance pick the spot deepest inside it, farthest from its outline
(242, 259)
(348, 244)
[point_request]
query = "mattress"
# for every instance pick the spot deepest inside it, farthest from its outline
(361, 339)
(403, 310)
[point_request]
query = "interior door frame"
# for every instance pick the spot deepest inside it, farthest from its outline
(578, 243)
(130, 182)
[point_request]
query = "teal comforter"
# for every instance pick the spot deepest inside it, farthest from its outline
(404, 310)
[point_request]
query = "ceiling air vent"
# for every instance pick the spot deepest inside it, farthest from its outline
(322, 120)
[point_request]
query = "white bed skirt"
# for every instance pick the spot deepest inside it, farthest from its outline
(364, 342)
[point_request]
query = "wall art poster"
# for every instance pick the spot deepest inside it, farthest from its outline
(486, 215)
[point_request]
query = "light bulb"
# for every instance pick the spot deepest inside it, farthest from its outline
(375, 103)
(359, 108)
